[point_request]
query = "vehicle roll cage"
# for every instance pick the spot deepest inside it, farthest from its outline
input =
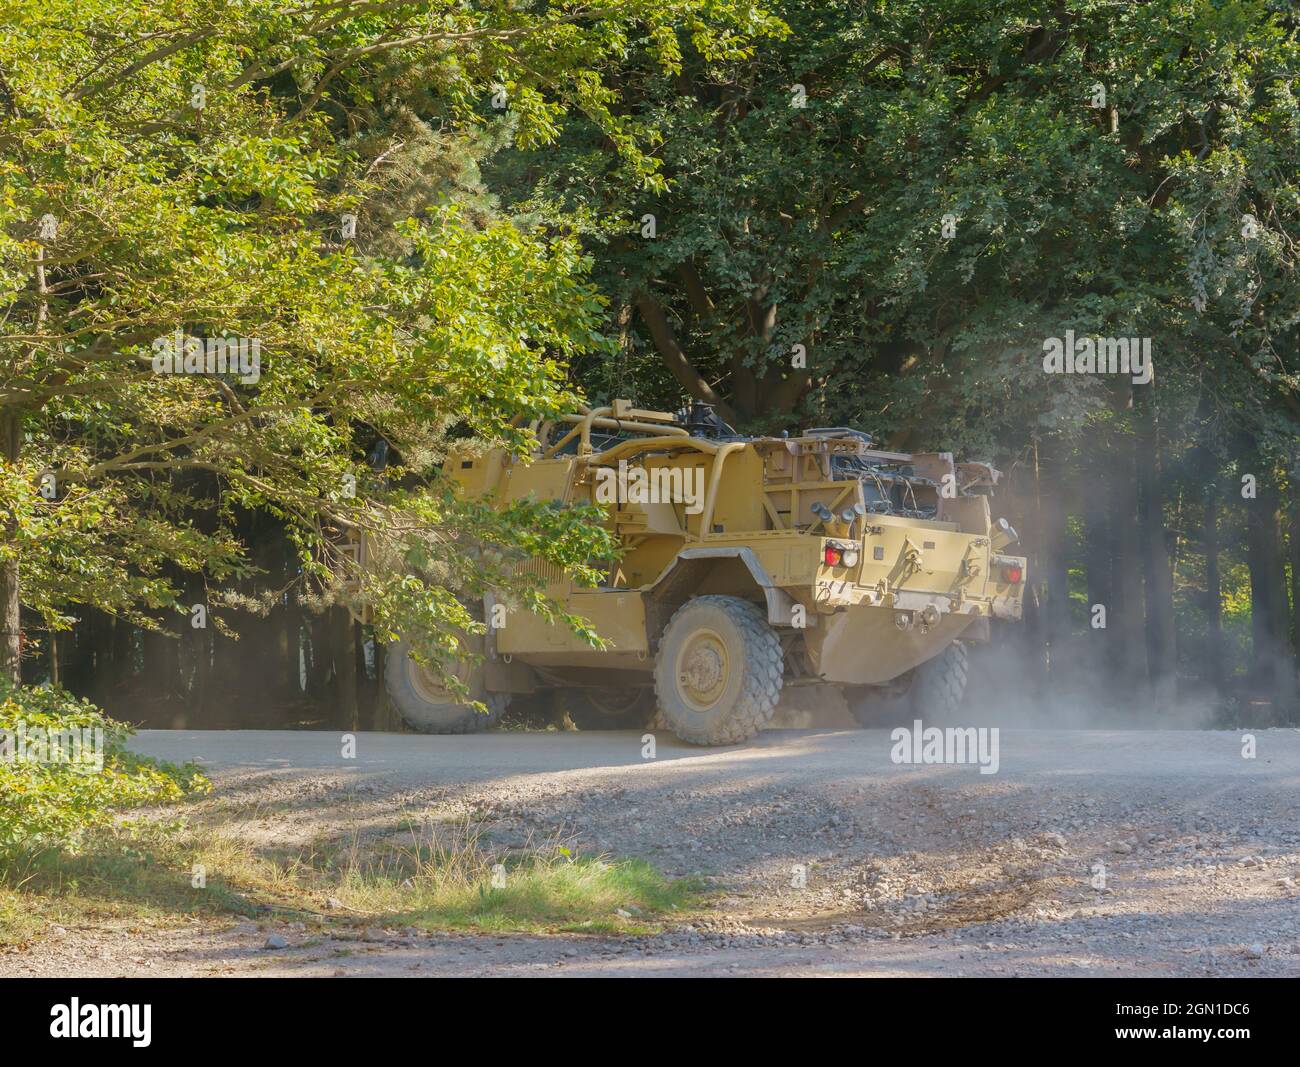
(658, 431)
(848, 468)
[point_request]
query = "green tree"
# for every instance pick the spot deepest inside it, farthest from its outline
(174, 177)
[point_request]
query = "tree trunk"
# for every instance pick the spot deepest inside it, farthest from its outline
(1294, 543)
(10, 620)
(1162, 661)
(343, 652)
(289, 613)
(285, 683)
(75, 656)
(678, 363)
(1212, 660)
(234, 669)
(160, 668)
(1030, 634)
(200, 649)
(1054, 552)
(1097, 562)
(380, 713)
(318, 660)
(1129, 615)
(1273, 668)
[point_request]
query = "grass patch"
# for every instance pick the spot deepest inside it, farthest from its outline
(129, 873)
(431, 875)
(439, 875)
(542, 892)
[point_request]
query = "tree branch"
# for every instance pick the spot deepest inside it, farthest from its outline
(678, 363)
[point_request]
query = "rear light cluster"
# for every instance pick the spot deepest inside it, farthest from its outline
(836, 555)
(1013, 573)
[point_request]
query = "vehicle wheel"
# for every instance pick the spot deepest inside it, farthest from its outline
(941, 684)
(719, 671)
(425, 704)
(933, 693)
(609, 707)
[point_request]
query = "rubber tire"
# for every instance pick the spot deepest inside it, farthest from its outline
(935, 694)
(428, 717)
(588, 713)
(753, 689)
(940, 684)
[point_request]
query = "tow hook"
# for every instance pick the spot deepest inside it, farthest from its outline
(913, 559)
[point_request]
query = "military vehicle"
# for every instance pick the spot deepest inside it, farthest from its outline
(748, 564)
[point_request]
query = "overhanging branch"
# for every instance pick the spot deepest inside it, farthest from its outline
(678, 363)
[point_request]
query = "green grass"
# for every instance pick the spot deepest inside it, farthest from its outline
(432, 875)
(580, 895)
(131, 875)
(440, 875)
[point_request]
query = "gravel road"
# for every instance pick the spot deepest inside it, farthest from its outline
(1110, 852)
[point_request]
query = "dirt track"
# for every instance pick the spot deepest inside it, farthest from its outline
(910, 870)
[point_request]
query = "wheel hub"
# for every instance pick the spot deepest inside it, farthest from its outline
(429, 684)
(702, 669)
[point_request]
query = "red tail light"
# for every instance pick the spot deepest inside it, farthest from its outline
(1013, 573)
(832, 556)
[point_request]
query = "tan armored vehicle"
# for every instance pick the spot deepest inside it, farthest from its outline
(749, 564)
